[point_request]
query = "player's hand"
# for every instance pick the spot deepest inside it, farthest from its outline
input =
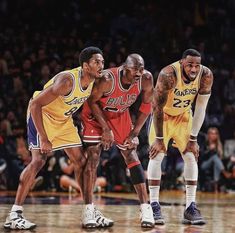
(107, 139)
(157, 147)
(192, 146)
(45, 145)
(131, 142)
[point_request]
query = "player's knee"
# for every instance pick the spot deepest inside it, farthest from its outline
(158, 158)
(154, 167)
(190, 167)
(130, 156)
(93, 154)
(78, 160)
(136, 172)
(189, 158)
(38, 163)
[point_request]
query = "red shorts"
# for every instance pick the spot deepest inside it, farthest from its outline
(119, 123)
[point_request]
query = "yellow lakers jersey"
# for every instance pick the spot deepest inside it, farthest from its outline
(180, 99)
(64, 106)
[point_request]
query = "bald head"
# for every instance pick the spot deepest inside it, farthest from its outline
(134, 60)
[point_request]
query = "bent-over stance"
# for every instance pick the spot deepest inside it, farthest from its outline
(178, 85)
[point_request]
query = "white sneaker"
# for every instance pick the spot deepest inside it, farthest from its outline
(146, 216)
(102, 221)
(16, 220)
(88, 218)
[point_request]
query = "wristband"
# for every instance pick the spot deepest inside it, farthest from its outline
(192, 140)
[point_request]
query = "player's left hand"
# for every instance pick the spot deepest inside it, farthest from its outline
(131, 142)
(192, 146)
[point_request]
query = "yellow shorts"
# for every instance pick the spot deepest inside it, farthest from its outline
(177, 128)
(61, 134)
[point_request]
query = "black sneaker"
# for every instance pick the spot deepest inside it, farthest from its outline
(193, 216)
(157, 215)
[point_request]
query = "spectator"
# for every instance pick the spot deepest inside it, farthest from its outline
(212, 158)
(67, 179)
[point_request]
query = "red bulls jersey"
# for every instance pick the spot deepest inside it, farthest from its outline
(119, 99)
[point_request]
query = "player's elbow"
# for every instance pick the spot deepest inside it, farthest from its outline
(34, 106)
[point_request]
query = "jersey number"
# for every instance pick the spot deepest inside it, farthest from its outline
(181, 104)
(71, 111)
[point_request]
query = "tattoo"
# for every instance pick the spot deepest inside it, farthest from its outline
(160, 97)
(206, 81)
(166, 82)
(167, 79)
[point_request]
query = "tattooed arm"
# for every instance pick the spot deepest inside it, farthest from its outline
(206, 81)
(166, 82)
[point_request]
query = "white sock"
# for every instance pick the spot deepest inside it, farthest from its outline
(190, 194)
(89, 206)
(154, 193)
(16, 207)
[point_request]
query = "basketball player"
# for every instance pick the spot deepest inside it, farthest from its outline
(178, 85)
(106, 120)
(50, 128)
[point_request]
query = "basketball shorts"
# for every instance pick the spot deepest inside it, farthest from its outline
(177, 128)
(61, 134)
(120, 125)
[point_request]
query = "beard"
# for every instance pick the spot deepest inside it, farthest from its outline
(186, 76)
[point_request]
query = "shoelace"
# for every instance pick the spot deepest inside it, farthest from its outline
(156, 211)
(194, 211)
(98, 213)
(19, 214)
(89, 214)
(146, 213)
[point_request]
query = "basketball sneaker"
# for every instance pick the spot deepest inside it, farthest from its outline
(15, 220)
(101, 220)
(157, 215)
(193, 216)
(88, 217)
(146, 216)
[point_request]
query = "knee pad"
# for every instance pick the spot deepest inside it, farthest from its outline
(190, 167)
(136, 172)
(154, 167)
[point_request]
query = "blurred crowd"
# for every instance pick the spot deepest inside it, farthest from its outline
(40, 38)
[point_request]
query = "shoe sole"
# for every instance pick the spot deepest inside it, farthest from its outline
(89, 226)
(147, 224)
(195, 222)
(8, 227)
(106, 226)
(159, 222)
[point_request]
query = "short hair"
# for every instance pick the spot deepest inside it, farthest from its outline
(191, 52)
(134, 59)
(86, 54)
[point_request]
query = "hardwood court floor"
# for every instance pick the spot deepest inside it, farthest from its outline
(61, 213)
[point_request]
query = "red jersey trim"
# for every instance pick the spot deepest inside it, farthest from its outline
(113, 84)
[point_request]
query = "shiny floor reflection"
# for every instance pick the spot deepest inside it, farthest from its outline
(61, 213)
